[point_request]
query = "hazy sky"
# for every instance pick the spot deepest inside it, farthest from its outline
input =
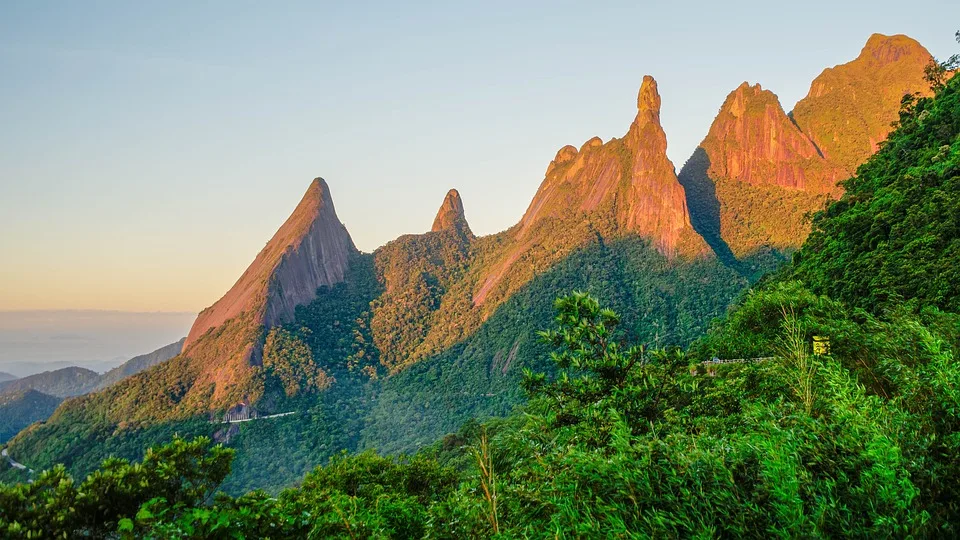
(147, 152)
(35, 341)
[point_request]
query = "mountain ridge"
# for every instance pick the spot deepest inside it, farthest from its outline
(442, 313)
(61, 383)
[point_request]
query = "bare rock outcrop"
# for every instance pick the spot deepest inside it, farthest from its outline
(312, 248)
(630, 181)
(622, 187)
(450, 217)
(759, 172)
(752, 140)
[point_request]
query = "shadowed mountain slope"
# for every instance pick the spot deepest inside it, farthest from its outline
(20, 408)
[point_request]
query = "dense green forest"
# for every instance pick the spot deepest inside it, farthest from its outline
(621, 435)
(622, 440)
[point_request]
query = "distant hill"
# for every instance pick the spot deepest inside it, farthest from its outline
(20, 408)
(33, 398)
(74, 381)
(139, 363)
(62, 383)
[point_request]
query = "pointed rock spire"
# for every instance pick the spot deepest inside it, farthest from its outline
(655, 205)
(631, 176)
(312, 248)
(623, 187)
(646, 125)
(648, 99)
(450, 217)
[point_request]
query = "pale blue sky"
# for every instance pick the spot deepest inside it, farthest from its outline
(148, 150)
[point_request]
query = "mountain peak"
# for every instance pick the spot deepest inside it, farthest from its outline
(753, 140)
(748, 100)
(850, 107)
(450, 217)
(631, 180)
(648, 99)
(756, 89)
(311, 248)
(646, 129)
(885, 49)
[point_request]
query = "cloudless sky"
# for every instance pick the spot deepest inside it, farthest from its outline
(148, 150)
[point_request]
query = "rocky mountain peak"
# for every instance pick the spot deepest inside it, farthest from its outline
(850, 107)
(450, 217)
(753, 140)
(884, 49)
(645, 129)
(630, 180)
(311, 248)
(759, 171)
(648, 99)
(564, 155)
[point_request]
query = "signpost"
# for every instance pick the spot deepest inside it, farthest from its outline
(821, 345)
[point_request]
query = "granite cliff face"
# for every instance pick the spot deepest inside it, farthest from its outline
(759, 172)
(221, 360)
(755, 176)
(312, 248)
(630, 181)
(622, 187)
(752, 140)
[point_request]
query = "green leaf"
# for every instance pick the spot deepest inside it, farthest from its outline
(126, 525)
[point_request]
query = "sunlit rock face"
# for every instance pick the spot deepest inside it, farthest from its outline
(759, 173)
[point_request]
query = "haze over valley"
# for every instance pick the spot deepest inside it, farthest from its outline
(35, 341)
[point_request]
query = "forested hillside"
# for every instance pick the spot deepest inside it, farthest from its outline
(895, 237)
